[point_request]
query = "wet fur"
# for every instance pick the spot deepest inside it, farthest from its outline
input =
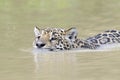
(61, 39)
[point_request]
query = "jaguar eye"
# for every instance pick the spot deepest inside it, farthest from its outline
(53, 39)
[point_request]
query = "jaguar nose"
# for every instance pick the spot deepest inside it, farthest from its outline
(40, 45)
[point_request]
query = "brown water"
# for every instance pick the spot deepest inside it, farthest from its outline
(18, 61)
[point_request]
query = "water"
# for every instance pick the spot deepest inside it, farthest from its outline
(18, 59)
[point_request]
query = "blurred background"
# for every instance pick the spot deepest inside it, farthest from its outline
(18, 19)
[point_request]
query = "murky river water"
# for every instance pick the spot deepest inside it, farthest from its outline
(18, 61)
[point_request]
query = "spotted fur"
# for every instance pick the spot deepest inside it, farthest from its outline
(61, 39)
(107, 37)
(54, 38)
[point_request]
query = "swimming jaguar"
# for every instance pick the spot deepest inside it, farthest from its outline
(67, 39)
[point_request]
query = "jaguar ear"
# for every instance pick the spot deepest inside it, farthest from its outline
(36, 31)
(71, 33)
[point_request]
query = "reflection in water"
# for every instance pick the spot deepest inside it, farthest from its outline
(73, 64)
(36, 60)
(46, 58)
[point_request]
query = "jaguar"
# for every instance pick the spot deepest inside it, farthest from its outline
(67, 39)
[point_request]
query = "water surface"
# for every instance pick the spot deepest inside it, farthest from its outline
(19, 62)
